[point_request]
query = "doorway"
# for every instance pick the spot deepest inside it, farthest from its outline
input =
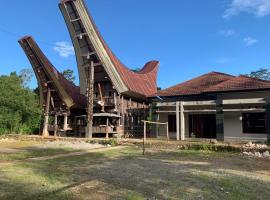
(202, 126)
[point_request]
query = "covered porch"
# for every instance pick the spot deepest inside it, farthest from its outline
(221, 119)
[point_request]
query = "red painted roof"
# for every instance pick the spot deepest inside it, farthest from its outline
(215, 82)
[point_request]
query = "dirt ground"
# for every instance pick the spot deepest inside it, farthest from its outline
(124, 173)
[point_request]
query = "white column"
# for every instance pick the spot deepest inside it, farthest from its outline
(55, 125)
(182, 121)
(45, 132)
(107, 128)
(65, 122)
(177, 121)
(157, 133)
(89, 131)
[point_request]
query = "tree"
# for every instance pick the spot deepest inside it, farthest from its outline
(69, 75)
(19, 106)
(26, 76)
(262, 73)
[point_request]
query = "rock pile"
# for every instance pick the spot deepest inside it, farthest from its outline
(255, 150)
(252, 146)
(257, 154)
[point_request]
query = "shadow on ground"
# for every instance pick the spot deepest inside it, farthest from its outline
(126, 174)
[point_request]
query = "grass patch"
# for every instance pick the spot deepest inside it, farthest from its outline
(127, 174)
(33, 153)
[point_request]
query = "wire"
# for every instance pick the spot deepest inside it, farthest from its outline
(16, 35)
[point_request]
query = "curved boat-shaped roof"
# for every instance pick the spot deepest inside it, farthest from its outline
(68, 92)
(143, 83)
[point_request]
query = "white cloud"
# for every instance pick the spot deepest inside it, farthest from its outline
(227, 32)
(259, 8)
(64, 49)
(222, 60)
(249, 41)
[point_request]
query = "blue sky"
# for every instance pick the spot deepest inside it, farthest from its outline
(188, 37)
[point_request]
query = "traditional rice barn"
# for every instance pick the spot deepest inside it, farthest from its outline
(60, 98)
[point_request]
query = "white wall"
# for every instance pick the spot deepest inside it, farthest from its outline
(233, 128)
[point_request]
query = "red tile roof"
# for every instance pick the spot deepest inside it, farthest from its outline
(215, 82)
(143, 82)
(240, 83)
(72, 90)
(196, 85)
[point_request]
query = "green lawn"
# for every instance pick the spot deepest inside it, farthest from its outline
(126, 174)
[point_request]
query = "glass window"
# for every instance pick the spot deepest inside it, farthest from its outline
(253, 123)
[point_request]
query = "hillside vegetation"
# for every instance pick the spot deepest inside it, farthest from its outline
(19, 106)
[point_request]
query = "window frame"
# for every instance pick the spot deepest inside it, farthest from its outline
(248, 128)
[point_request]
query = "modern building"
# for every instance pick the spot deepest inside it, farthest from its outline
(216, 106)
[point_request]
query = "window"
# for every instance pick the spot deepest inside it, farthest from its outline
(253, 123)
(172, 123)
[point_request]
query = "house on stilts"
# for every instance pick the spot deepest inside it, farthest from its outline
(113, 100)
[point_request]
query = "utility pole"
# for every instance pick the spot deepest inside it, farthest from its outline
(90, 100)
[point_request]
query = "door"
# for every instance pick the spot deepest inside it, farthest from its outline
(202, 126)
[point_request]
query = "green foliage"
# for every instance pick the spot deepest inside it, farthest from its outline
(26, 76)
(19, 108)
(69, 75)
(212, 147)
(262, 73)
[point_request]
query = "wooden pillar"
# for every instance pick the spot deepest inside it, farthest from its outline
(55, 125)
(90, 101)
(65, 127)
(177, 121)
(219, 119)
(144, 136)
(45, 132)
(144, 131)
(167, 127)
(182, 116)
(115, 102)
(107, 128)
(267, 115)
(123, 114)
(158, 119)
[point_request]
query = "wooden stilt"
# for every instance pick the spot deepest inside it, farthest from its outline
(168, 137)
(90, 102)
(45, 132)
(55, 126)
(65, 127)
(144, 136)
(107, 128)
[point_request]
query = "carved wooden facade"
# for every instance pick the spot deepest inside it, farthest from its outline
(111, 98)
